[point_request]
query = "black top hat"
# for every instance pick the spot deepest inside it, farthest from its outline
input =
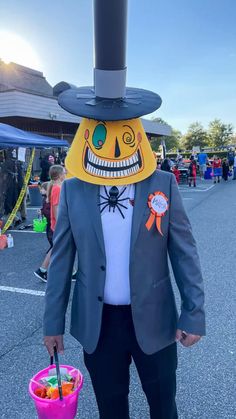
(109, 99)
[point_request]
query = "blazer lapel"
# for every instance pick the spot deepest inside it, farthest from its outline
(142, 190)
(92, 200)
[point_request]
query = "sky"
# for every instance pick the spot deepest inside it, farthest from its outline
(184, 50)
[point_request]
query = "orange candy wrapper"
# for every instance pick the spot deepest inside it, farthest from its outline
(48, 387)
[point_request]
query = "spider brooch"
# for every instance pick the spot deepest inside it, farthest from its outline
(112, 200)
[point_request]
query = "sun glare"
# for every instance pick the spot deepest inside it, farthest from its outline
(15, 49)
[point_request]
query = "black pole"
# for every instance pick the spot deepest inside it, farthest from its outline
(58, 373)
(110, 31)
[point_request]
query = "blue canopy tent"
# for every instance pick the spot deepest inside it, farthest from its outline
(14, 137)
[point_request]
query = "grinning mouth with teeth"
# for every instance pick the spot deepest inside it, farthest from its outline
(112, 169)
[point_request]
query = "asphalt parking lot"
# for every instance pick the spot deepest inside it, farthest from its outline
(206, 373)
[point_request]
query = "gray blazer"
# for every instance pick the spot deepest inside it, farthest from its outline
(153, 305)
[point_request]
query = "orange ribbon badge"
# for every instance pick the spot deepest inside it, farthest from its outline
(158, 204)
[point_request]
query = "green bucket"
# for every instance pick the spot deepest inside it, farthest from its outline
(40, 224)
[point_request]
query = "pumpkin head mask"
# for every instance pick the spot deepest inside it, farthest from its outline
(110, 152)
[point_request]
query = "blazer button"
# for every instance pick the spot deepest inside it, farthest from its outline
(103, 268)
(100, 299)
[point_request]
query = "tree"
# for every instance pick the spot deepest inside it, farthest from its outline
(233, 140)
(220, 134)
(172, 141)
(155, 143)
(195, 136)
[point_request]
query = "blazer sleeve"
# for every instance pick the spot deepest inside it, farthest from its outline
(186, 266)
(60, 271)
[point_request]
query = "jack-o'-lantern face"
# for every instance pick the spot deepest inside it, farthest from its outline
(110, 153)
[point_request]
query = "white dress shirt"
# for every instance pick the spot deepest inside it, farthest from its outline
(117, 234)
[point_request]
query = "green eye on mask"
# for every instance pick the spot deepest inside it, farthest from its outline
(99, 136)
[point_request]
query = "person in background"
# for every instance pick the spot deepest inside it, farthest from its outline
(234, 167)
(57, 175)
(158, 163)
(51, 159)
(165, 165)
(45, 165)
(230, 156)
(11, 182)
(193, 156)
(21, 171)
(179, 157)
(14, 192)
(3, 183)
(62, 157)
(176, 172)
(192, 173)
(225, 169)
(202, 161)
(57, 159)
(217, 169)
(14, 178)
(46, 212)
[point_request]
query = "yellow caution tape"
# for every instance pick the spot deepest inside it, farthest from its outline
(22, 194)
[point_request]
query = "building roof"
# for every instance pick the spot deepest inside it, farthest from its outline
(25, 92)
(28, 105)
(18, 77)
(152, 127)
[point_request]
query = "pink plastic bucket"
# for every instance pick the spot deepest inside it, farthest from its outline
(56, 409)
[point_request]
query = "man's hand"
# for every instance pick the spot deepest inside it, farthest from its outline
(186, 338)
(51, 341)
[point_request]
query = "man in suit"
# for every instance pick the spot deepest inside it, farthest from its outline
(123, 218)
(144, 323)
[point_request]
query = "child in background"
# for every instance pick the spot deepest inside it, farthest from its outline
(217, 169)
(192, 173)
(45, 211)
(57, 175)
(176, 172)
(165, 165)
(225, 169)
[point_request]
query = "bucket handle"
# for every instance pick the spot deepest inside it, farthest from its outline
(58, 371)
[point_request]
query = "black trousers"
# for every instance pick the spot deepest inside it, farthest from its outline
(109, 365)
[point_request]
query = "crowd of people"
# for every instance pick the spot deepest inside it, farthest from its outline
(198, 164)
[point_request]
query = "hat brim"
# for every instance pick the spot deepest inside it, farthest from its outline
(83, 102)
